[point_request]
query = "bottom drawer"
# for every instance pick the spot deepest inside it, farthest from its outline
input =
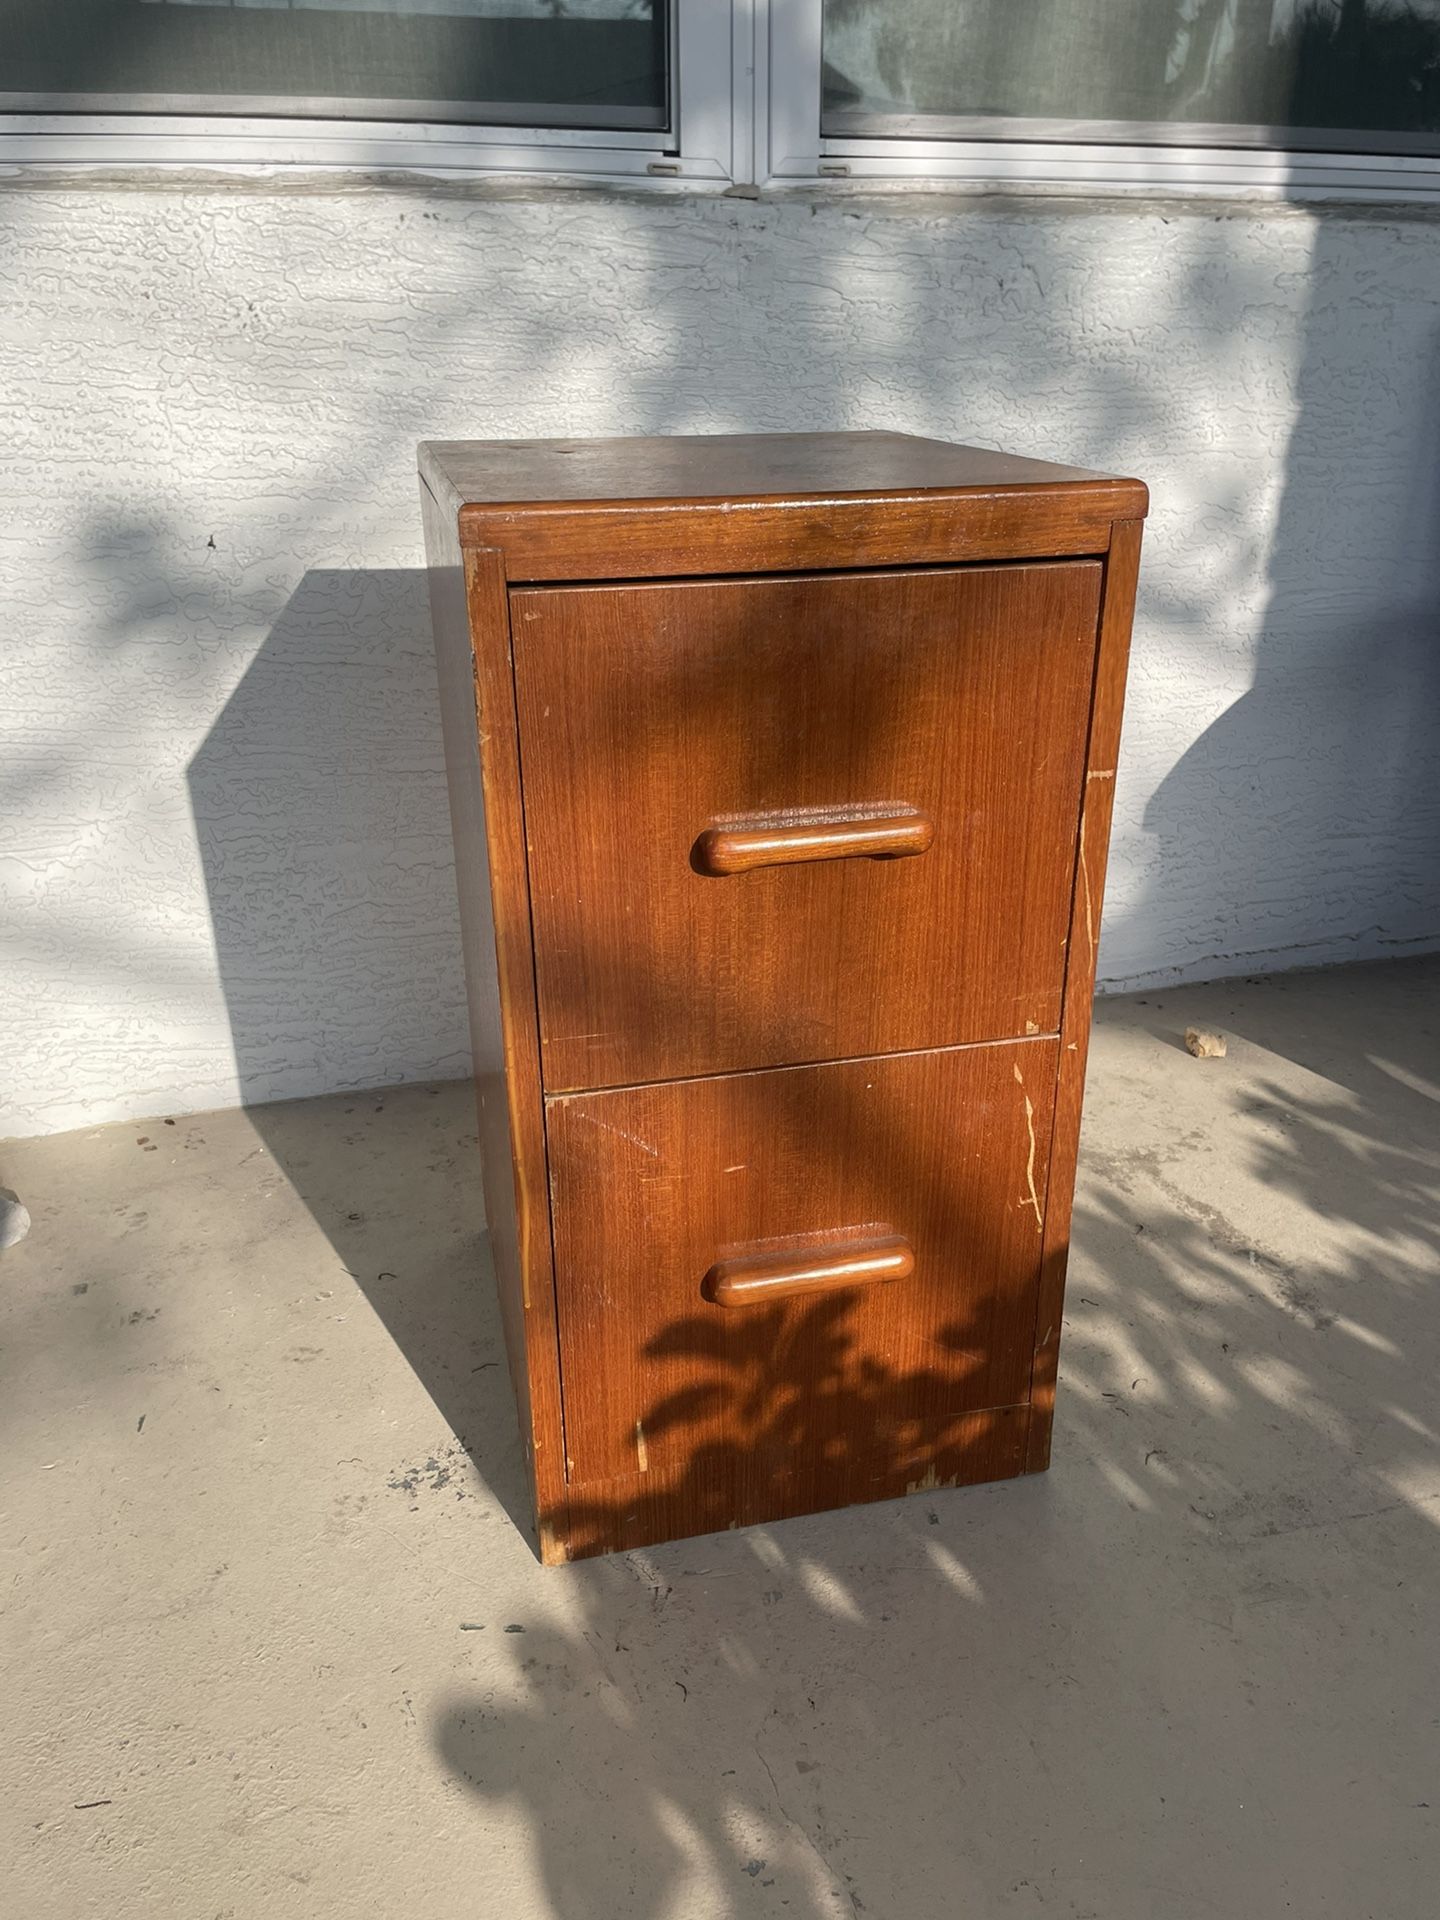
(798, 1288)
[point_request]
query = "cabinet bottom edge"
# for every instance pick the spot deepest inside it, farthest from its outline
(722, 1493)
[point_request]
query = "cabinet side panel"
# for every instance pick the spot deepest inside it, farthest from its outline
(472, 645)
(1107, 705)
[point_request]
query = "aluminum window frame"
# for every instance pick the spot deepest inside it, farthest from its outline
(706, 119)
(745, 113)
(1066, 158)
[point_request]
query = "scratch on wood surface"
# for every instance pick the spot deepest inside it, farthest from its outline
(1089, 907)
(1032, 1198)
(930, 1480)
(620, 1133)
(641, 1453)
(1101, 773)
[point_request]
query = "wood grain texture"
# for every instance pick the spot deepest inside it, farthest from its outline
(651, 1186)
(728, 503)
(632, 759)
(730, 466)
(648, 712)
(1122, 569)
(723, 1488)
(468, 598)
(701, 537)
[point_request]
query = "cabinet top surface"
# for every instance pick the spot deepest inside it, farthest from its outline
(731, 502)
(726, 466)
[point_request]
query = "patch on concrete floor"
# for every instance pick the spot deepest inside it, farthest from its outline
(435, 1475)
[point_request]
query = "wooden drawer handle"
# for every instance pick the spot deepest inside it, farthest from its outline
(736, 849)
(753, 1279)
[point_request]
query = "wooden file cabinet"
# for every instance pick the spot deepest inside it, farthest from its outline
(781, 770)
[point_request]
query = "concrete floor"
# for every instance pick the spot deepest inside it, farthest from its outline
(276, 1647)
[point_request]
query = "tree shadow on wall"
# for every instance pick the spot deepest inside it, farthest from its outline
(1353, 686)
(1313, 781)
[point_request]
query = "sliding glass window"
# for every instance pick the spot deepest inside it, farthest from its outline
(1324, 75)
(602, 64)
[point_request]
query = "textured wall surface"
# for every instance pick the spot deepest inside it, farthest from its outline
(224, 841)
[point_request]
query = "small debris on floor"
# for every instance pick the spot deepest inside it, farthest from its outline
(1204, 1044)
(14, 1219)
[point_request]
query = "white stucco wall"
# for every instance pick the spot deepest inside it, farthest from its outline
(224, 842)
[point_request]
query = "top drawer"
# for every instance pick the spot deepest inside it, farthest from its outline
(672, 735)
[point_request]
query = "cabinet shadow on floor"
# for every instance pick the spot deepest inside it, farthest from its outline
(391, 1177)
